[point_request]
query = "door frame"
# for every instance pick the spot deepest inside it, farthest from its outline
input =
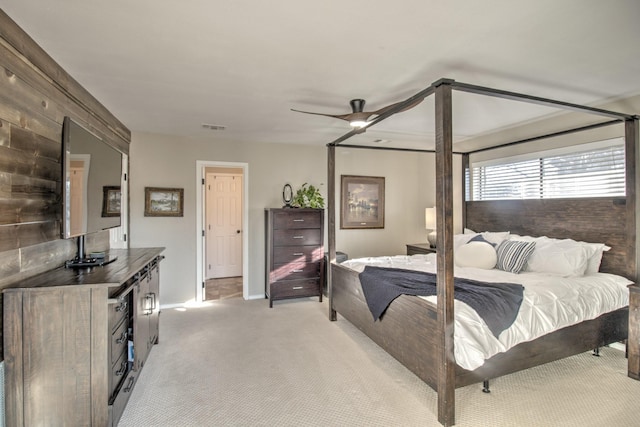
(201, 165)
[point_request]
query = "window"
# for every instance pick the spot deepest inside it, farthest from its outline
(594, 172)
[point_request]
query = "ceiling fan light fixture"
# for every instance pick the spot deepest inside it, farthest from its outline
(358, 124)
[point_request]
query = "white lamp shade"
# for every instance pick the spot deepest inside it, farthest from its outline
(430, 218)
(430, 224)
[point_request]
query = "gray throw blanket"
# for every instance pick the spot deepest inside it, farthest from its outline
(496, 303)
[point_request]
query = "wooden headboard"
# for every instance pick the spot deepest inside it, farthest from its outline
(597, 220)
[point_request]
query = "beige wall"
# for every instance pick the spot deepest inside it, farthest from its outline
(167, 161)
(410, 188)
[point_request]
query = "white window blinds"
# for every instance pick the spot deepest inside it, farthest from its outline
(596, 172)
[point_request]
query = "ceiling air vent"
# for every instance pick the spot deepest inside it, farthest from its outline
(213, 127)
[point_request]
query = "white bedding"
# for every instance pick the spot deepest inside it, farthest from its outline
(550, 302)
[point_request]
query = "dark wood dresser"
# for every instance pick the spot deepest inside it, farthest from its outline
(68, 336)
(294, 253)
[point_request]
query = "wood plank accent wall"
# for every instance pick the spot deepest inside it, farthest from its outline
(35, 96)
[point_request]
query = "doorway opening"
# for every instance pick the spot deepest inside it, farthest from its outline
(222, 230)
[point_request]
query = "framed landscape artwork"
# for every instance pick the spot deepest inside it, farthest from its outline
(361, 202)
(163, 201)
(111, 201)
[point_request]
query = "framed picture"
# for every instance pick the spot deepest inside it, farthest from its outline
(361, 202)
(111, 201)
(163, 201)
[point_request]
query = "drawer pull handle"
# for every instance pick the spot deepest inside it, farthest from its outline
(298, 237)
(298, 220)
(296, 271)
(123, 368)
(129, 386)
(298, 253)
(297, 287)
(122, 338)
(150, 303)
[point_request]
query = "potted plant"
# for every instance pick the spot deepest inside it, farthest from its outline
(308, 196)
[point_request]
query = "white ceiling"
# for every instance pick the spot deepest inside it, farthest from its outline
(168, 67)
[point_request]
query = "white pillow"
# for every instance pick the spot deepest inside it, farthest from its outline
(462, 239)
(494, 237)
(594, 253)
(593, 265)
(566, 257)
(476, 255)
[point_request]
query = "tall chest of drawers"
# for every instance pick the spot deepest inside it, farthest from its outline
(294, 253)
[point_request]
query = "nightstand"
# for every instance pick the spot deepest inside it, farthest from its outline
(419, 248)
(633, 343)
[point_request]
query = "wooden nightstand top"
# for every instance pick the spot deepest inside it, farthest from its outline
(419, 248)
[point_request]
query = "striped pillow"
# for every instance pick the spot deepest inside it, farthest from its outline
(513, 255)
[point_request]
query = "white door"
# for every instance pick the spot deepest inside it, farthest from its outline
(223, 225)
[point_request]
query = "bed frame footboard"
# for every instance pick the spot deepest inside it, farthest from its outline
(408, 332)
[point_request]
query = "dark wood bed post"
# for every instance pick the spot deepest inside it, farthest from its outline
(632, 157)
(444, 227)
(463, 202)
(331, 186)
(632, 160)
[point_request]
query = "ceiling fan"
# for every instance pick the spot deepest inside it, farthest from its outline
(359, 118)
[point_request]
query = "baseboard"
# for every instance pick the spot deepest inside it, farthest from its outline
(167, 306)
(188, 304)
(618, 346)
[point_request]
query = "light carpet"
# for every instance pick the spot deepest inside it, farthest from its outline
(239, 363)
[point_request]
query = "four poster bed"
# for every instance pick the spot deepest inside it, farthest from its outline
(419, 332)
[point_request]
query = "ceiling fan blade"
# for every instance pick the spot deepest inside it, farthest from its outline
(346, 117)
(389, 107)
(358, 115)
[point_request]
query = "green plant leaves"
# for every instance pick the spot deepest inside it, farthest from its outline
(308, 196)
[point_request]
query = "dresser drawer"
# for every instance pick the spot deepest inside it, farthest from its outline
(119, 341)
(285, 254)
(295, 288)
(296, 219)
(117, 313)
(295, 270)
(118, 402)
(118, 371)
(299, 237)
